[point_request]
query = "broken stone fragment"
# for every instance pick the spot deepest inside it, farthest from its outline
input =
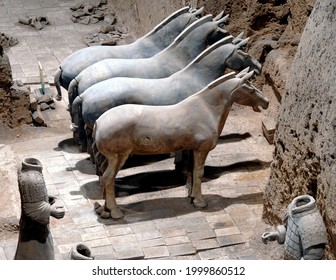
(37, 22)
(52, 106)
(45, 99)
(6, 41)
(106, 28)
(93, 20)
(85, 20)
(111, 42)
(121, 29)
(37, 117)
(44, 106)
(96, 3)
(77, 6)
(268, 128)
(88, 9)
(25, 20)
(33, 102)
(78, 14)
(110, 19)
(74, 19)
(99, 15)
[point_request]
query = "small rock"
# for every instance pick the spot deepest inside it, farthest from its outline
(45, 99)
(122, 29)
(111, 42)
(44, 106)
(74, 19)
(77, 6)
(33, 102)
(93, 20)
(96, 3)
(85, 20)
(52, 106)
(106, 28)
(88, 9)
(38, 118)
(110, 19)
(99, 15)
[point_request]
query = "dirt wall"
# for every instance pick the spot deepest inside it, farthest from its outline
(14, 100)
(305, 146)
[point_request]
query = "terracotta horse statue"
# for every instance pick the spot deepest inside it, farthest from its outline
(190, 43)
(193, 124)
(205, 68)
(150, 44)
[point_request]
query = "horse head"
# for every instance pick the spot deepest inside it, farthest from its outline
(195, 13)
(218, 32)
(246, 94)
(240, 59)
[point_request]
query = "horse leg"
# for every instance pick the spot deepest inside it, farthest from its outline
(82, 140)
(115, 162)
(89, 142)
(189, 164)
(198, 172)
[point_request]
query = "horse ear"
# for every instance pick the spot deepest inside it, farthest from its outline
(199, 11)
(222, 20)
(223, 31)
(243, 72)
(247, 76)
(242, 53)
(221, 80)
(219, 16)
(242, 43)
(238, 38)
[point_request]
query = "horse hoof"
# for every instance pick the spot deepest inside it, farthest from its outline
(105, 215)
(58, 97)
(116, 213)
(199, 203)
(98, 208)
(82, 148)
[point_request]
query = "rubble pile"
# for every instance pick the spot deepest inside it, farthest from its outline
(6, 41)
(96, 11)
(92, 12)
(40, 102)
(14, 98)
(108, 35)
(38, 22)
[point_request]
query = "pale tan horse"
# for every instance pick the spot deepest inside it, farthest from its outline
(193, 124)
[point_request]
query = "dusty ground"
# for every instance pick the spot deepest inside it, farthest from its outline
(57, 130)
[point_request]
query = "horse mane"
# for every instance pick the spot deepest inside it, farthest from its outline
(192, 27)
(168, 19)
(226, 40)
(221, 80)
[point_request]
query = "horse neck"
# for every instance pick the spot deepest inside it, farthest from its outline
(194, 43)
(218, 100)
(164, 35)
(212, 65)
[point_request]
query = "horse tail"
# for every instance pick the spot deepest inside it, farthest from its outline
(76, 110)
(57, 82)
(72, 91)
(98, 158)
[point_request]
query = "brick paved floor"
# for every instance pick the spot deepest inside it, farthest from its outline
(159, 220)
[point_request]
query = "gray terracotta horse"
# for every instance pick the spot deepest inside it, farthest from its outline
(190, 43)
(207, 67)
(148, 45)
(193, 124)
